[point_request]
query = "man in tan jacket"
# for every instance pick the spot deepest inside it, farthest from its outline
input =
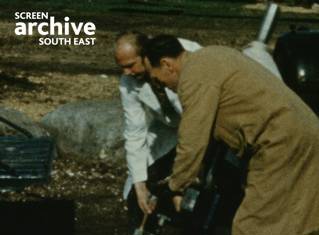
(228, 96)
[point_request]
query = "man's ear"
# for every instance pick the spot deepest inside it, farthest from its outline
(167, 63)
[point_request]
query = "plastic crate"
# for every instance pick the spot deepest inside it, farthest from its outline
(24, 160)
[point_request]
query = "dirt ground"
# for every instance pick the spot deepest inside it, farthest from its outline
(37, 79)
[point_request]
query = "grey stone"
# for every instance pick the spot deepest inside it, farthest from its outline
(87, 128)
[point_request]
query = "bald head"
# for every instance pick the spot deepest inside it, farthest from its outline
(123, 50)
(136, 39)
(128, 53)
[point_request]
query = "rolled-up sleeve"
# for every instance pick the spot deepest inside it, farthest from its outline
(135, 130)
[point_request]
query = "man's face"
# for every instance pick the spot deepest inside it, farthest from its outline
(165, 74)
(130, 62)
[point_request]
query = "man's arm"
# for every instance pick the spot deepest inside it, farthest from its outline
(135, 130)
(200, 102)
(135, 133)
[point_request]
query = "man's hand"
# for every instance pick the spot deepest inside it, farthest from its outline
(177, 201)
(143, 198)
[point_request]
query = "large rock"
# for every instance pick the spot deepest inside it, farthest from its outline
(87, 128)
(20, 120)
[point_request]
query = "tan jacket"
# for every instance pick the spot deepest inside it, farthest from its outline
(248, 105)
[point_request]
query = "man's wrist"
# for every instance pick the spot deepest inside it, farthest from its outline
(140, 184)
(140, 188)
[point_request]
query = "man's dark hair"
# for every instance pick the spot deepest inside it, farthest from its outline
(163, 45)
(136, 38)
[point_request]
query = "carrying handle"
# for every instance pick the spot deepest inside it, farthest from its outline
(16, 127)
